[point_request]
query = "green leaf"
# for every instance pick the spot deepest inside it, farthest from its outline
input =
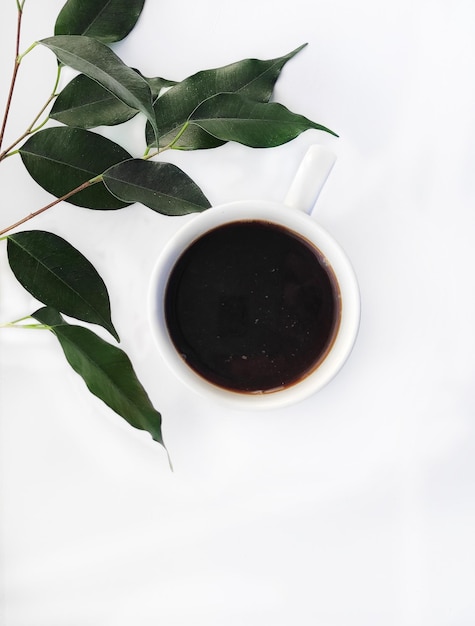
(162, 187)
(106, 20)
(106, 370)
(58, 275)
(231, 117)
(60, 159)
(157, 83)
(96, 60)
(84, 103)
(253, 78)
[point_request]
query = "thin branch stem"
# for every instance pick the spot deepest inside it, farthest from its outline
(21, 319)
(18, 324)
(149, 155)
(32, 128)
(14, 73)
(28, 326)
(9, 154)
(68, 195)
(33, 326)
(177, 136)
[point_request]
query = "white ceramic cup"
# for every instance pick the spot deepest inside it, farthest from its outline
(293, 214)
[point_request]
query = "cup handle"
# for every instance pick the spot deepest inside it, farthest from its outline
(310, 178)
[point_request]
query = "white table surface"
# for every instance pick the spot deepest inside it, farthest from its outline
(354, 507)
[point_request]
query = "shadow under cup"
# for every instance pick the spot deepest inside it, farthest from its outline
(252, 307)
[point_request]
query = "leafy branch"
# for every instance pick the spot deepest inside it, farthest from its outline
(78, 165)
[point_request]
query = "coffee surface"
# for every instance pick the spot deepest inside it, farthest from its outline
(251, 306)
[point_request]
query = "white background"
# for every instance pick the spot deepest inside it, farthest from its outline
(354, 507)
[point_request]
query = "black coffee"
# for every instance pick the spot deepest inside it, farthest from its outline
(251, 306)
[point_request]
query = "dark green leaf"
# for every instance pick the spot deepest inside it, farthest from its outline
(253, 78)
(58, 275)
(84, 103)
(96, 60)
(106, 20)
(231, 117)
(60, 159)
(161, 186)
(106, 370)
(157, 84)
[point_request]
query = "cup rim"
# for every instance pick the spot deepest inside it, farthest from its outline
(305, 226)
